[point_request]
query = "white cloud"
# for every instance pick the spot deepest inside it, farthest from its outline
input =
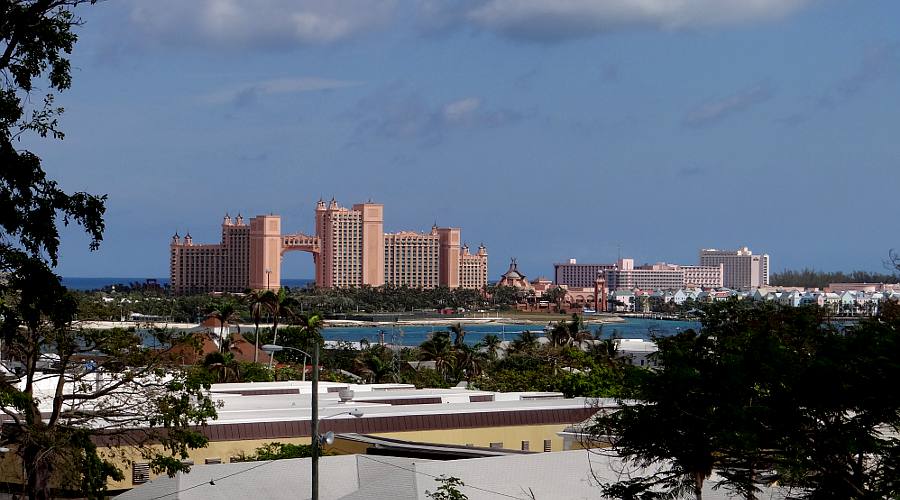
(398, 112)
(258, 22)
(461, 110)
(715, 110)
(242, 94)
(561, 19)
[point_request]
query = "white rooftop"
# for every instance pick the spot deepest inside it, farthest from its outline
(560, 475)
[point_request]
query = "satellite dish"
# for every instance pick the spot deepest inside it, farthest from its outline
(328, 438)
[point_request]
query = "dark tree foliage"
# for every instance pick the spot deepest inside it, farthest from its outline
(35, 36)
(812, 278)
(51, 425)
(766, 395)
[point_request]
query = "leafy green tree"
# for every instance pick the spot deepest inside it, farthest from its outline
(448, 489)
(126, 385)
(555, 295)
(278, 451)
(765, 394)
(50, 425)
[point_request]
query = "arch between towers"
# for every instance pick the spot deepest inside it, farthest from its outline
(267, 248)
(300, 242)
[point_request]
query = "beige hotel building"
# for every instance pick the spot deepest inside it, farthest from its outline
(742, 269)
(350, 248)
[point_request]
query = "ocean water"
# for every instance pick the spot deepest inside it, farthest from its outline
(632, 328)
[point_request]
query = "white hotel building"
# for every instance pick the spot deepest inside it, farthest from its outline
(662, 276)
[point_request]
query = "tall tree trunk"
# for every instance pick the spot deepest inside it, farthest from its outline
(698, 486)
(256, 342)
(37, 472)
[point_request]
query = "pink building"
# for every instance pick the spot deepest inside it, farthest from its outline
(349, 248)
(473, 272)
(195, 267)
(412, 259)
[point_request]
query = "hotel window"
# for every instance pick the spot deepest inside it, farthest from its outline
(497, 445)
(548, 445)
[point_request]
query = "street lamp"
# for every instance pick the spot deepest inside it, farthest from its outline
(268, 272)
(328, 437)
(315, 439)
(272, 348)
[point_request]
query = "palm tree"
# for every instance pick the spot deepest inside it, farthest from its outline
(467, 361)
(375, 364)
(581, 336)
(459, 334)
(560, 334)
(526, 341)
(224, 313)
(491, 344)
(258, 300)
(437, 349)
(224, 364)
(281, 306)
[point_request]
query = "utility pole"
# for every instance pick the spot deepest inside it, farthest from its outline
(314, 422)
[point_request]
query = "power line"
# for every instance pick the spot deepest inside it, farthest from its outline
(414, 471)
(213, 480)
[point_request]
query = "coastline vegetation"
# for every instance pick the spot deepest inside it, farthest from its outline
(811, 278)
(387, 302)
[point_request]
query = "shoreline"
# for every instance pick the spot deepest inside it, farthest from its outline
(349, 323)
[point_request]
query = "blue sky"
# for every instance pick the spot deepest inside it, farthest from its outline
(547, 129)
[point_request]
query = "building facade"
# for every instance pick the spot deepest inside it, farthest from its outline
(579, 275)
(704, 276)
(473, 271)
(195, 268)
(350, 248)
(662, 276)
(741, 268)
(412, 259)
(657, 276)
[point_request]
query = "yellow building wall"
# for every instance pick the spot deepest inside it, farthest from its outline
(222, 450)
(511, 437)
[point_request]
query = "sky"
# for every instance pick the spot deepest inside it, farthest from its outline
(545, 129)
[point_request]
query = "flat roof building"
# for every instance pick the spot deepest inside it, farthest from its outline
(578, 275)
(741, 268)
(253, 414)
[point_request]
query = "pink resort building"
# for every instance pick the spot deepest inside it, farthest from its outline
(350, 248)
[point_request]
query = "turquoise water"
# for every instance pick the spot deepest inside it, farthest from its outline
(632, 328)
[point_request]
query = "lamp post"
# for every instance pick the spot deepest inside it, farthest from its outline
(268, 272)
(316, 440)
(272, 348)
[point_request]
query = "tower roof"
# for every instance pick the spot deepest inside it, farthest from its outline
(513, 272)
